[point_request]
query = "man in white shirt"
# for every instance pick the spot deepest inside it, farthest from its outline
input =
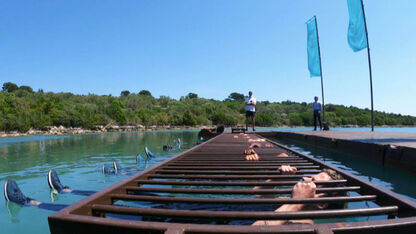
(317, 113)
(250, 102)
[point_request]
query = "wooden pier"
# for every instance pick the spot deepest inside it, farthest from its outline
(156, 200)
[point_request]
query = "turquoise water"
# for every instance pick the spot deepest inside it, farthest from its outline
(78, 160)
(401, 182)
(376, 129)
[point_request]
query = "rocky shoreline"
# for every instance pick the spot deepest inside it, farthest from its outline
(61, 130)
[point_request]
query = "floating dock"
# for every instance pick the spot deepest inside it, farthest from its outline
(216, 174)
(393, 149)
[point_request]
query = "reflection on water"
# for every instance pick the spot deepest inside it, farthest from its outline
(401, 182)
(78, 160)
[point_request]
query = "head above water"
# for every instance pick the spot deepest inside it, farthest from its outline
(316, 98)
(327, 175)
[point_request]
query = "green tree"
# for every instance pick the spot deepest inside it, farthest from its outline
(125, 93)
(236, 96)
(191, 96)
(20, 110)
(164, 101)
(221, 118)
(189, 119)
(10, 87)
(264, 120)
(145, 116)
(295, 119)
(307, 118)
(26, 88)
(162, 118)
(363, 120)
(145, 93)
(115, 111)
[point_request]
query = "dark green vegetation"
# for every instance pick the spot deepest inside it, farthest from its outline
(21, 108)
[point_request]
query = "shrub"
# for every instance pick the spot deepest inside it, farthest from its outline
(263, 119)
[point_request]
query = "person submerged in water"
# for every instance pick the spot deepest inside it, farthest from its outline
(304, 189)
(12, 193)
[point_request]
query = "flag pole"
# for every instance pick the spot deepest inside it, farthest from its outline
(320, 65)
(369, 67)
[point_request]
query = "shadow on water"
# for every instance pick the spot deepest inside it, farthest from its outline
(401, 182)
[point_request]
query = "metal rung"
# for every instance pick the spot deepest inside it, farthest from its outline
(228, 172)
(238, 215)
(242, 160)
(254, 163)
(247, 168)
(227, 177)
(235, 191)
(274, 154)
(243, 157)
(233, 183)
(342, 199)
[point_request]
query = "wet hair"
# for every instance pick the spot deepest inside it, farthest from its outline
(336, 176)
(333, 174)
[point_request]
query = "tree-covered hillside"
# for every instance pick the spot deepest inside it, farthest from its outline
(21, 109)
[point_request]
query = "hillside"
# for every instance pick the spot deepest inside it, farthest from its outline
(21, 109)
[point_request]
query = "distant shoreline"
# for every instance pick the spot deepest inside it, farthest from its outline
(60, 130)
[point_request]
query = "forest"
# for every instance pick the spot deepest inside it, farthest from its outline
(22, 108)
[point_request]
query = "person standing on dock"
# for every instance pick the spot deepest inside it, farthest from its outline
(317, 113)
(250, 102)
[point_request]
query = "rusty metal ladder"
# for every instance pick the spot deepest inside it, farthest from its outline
(216, 172)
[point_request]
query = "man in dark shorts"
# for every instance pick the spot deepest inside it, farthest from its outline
(317, 113)
(250, 102)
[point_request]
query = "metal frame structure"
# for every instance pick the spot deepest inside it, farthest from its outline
(219, 168)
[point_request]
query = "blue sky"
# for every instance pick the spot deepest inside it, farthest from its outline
(209, 47)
